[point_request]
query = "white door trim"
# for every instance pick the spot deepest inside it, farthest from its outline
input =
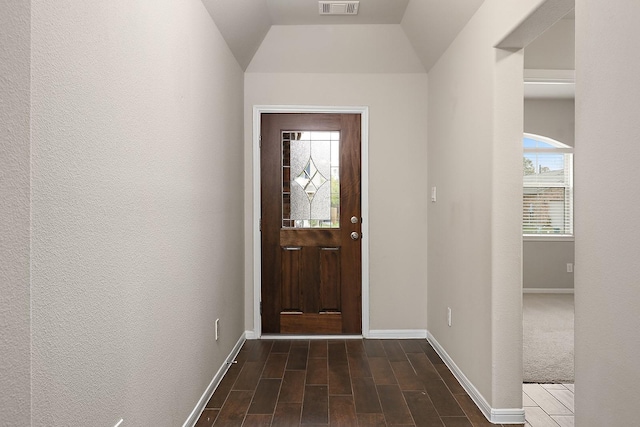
(257, 253)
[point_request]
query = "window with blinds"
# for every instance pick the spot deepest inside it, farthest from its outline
(547, 207)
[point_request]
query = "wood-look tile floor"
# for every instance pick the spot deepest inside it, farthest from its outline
(548, 405)
(340, 383)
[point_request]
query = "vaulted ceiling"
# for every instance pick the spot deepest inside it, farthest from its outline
(430, 25)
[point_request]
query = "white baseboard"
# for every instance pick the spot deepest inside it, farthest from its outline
(496, 416)
(372, 334)
(547, 290)
(390, 334)
(251, 335)
(309, 337)
(195, 414)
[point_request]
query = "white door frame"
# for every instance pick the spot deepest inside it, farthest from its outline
(258, 110)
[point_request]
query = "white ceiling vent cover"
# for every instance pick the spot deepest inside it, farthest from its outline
(338, 7)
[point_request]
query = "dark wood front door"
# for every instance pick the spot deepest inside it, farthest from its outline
(311, 223)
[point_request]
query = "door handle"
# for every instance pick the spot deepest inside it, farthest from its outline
(355, 235)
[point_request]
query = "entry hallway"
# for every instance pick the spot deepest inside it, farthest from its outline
(340, 383)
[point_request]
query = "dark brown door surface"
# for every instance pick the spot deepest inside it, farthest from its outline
(311, 223)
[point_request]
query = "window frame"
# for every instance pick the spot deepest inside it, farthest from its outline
(557, 148)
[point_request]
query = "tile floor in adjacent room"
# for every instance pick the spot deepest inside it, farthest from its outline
(340, 383)
(548, 405)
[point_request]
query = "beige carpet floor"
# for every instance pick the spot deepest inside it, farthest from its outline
(548, 338)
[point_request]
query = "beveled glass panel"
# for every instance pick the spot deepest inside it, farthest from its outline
(310, 179)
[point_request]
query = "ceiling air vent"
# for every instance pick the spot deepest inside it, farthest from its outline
(338, 7)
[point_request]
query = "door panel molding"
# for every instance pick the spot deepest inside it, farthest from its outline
(258, 110)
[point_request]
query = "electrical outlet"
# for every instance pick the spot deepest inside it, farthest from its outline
(217, 329)
(569, 267)
(433, 194)
(449, 316)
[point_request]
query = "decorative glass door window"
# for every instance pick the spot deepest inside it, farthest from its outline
(310, 179)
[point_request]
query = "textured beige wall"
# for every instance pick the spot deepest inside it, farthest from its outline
(15, 338)
(545, 264)
(554, 49)
(475, 150)
(432, 24)
(136, 210)
(607, 325)
(554, 118)
(243, 23)
(397, 167)
(335, 49)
